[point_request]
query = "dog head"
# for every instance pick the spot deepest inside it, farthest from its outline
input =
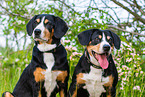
(44, 26)
(99, 45)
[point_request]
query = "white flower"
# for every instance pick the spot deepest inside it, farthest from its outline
(67, 41)
(74, 48)
(136, 88)
(128, 59)
(141, 72)
(16, 60)
(26, 60)
(0, 53)
(5, 59)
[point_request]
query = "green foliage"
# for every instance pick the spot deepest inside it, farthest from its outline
(15, 15)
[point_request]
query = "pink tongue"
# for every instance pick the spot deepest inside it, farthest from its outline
(102, 59)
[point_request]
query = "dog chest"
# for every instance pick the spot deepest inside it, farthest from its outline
(50, 76)
(94, 82)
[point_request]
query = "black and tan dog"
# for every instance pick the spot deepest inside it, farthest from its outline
(95, 74)
(47, 74)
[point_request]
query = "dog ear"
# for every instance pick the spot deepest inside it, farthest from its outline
(85, 36)
(29, 26)
(116, 40)
(60, 27)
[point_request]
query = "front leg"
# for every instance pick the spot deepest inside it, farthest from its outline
(62, 80)
(75, 86)
(110, 89)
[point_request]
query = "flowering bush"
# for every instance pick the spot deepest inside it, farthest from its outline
(131, 76)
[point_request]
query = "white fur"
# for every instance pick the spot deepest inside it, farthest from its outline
(95, 82)
(46, 47)
(103, 43)
(94, 61)
(41, 27)
(50, 76)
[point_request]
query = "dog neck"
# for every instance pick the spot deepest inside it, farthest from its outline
(92, 61)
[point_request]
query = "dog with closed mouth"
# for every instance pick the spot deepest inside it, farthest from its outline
(95, 74)
(48, 72)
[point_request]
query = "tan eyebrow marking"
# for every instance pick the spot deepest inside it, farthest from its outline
(46, 21)
(108, 37)
(100, 36)
(37, 20)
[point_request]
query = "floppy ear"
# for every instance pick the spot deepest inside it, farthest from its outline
(60, 27)
(85, 36)
(29, 26)
(116, 40)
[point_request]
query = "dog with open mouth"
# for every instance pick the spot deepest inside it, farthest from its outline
(95, 74)
(48, 72)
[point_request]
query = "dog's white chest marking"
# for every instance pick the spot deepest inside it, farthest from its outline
(50, 76)
(95, 82)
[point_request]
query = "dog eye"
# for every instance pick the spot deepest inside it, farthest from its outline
(95, 41)
(110, 40)
(35, 22)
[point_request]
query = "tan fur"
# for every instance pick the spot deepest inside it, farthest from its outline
(46, 21)
(38, 20)
(79, 79)
(39, 95)
(94, 48)
(75, 93)
(61, 93)
(61, 77)
(109, 85)
(39, 76)
(8, 94)
(108, 37)
(100, 36)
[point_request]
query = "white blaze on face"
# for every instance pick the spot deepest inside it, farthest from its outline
(104, 41)
(41, 27)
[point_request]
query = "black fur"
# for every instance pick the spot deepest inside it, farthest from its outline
(27, 85)
(84, 63)
(85, 37)
(60, 27)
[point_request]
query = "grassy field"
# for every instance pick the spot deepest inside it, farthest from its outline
(131, 75)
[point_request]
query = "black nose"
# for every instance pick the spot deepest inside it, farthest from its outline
(106, 47)
(37, 32)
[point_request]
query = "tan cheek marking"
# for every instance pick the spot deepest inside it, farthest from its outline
(108, 37)
(95, 48)
(38, 20)
(100, 36)
(8, 94)
(79, 79)
(61, 77)
(38, 74)
(46, 21)
(46, 34)
(50, 41)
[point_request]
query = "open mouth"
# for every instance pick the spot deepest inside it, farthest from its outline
(102, 59)
(40, 39)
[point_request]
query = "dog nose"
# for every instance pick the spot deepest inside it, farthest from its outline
(37, 31)
(106, 47)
